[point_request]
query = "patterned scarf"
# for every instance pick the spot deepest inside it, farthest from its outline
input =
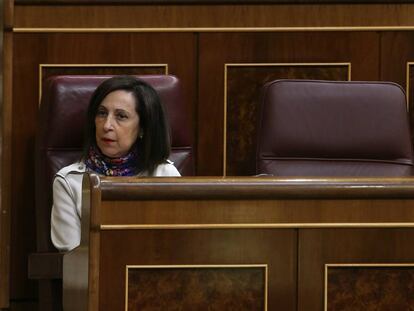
(101, 164)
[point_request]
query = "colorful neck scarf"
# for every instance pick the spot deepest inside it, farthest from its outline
(103, 165)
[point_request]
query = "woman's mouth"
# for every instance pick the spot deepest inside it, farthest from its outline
(107, 140)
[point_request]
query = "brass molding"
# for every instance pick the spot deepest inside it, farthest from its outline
(213, 29)
(356, 265)
(217, 266)
(196, 266)
(407, 85)
(226, 65)
(256, 226)
(380, 265)
(41, 66)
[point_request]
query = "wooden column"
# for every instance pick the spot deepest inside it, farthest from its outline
(6, 24)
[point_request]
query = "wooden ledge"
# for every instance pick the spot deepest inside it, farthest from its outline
(210, 188)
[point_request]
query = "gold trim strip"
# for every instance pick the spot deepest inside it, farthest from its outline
(352, 265)
(104, 65)
(212, 29)
(197, 266)
(325, 290)
(41, 66)
(126, 287)
(225, 121)
(241, 266)
(407, 85)
(226, 65)
(257, 226)
(266, 287)
(286, 64)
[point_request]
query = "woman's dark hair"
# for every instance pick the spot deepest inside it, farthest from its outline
(154, 147)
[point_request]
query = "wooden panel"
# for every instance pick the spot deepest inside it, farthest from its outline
(23, 241)
(31, 50)
(257, 212)
(333, 246)
(358, 48)
(378, 288)
(199, 247)
(201, 1)
(201, 202)
(243, 86)
(196, 288)
(226, 15)
(397, 50)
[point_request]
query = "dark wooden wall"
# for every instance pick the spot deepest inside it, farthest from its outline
(221, 52)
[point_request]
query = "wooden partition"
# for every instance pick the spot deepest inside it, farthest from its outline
(243, 244)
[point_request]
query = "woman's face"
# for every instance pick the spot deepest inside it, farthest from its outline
(117, 124)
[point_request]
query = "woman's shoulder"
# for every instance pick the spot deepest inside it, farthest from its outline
(69, 179)
(74, 168)
(166, 169)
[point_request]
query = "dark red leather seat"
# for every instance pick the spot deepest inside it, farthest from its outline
(59, 143)
(329, 128)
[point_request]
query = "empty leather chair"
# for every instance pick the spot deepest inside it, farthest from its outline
(333, 128)
(59, 143)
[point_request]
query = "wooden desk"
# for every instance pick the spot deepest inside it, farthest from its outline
(242, 244)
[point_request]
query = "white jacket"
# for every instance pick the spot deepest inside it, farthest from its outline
(67, 198)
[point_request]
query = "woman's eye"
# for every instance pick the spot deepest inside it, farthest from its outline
(101, 113)
(121, 116)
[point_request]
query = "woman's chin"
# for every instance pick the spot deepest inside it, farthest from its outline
(111, 154)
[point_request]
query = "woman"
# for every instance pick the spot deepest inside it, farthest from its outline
(126, 135)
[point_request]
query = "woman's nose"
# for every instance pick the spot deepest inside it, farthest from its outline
(108, 123)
